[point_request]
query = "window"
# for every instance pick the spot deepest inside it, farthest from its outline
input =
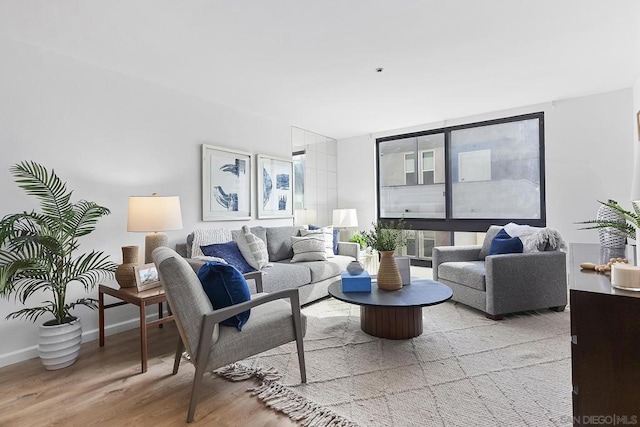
(299, 161)
(463, 178)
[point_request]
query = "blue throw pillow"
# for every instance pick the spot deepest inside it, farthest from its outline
(225, 286)
(502, 243)
(336, 237)
(229, 252)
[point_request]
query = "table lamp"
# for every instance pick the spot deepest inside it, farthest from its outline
(154, 214)
(345, 218)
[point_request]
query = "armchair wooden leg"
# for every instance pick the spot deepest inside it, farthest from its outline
(176, 361)
(195, 389)
(495, 316)
(300, 347)
(558, 308)
(297, 327)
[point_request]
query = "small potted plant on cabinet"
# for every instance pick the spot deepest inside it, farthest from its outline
(38, 256)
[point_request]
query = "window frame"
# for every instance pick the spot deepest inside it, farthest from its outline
(466, 224)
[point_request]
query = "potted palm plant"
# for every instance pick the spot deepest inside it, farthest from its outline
(386, 238)
(39, 257)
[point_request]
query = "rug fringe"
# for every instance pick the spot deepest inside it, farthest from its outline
(282, 399)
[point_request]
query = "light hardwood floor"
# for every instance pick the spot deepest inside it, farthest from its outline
(105, 388)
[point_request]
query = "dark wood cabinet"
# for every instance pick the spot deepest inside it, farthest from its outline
(605, 349)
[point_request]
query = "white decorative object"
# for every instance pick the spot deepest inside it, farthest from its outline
(59, 345)
(625, 276)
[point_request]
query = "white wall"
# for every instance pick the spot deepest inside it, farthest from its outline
(635, 190)
(110, 136)
(589, 148)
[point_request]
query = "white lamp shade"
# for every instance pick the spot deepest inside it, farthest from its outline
(154, 213)
(344, 218)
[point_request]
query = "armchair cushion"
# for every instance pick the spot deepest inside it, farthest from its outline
(468, 273)
(503, 243)
(225, 286)
(229, 252)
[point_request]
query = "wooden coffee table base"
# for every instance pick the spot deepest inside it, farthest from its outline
(394, 323)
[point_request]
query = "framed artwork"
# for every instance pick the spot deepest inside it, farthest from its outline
(226, 184)
(638, 123)
(275, 187)
(146, 277)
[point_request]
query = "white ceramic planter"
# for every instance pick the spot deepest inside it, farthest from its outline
(59, 345)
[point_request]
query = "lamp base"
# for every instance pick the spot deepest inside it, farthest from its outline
(152, 241)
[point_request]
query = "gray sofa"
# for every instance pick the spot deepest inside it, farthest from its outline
(311, 278)
(501, 284)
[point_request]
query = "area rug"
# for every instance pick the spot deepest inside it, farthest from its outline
(463, 370)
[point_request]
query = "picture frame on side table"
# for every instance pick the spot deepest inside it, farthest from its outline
(275, 187)
(226, 184)
(146, 277)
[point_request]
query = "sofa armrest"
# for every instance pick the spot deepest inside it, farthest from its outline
(515, 280)
(349, 249)
(443, 254)
(181, 249)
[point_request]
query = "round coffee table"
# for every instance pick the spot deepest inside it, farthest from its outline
(395, 315)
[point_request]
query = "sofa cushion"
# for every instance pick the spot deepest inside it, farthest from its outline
(486, 245)
(285, 275)
(225, 286)
(467, 273)
(253, 248)
(279, 242)
(309, 248)
(503, 243)
(230, 253)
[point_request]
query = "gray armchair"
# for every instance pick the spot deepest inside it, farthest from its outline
(273, 322)
(501, 284)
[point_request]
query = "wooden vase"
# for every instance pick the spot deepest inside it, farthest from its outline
(389, 277)
(125, 276)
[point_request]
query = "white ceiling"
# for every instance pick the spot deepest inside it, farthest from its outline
(312, 63)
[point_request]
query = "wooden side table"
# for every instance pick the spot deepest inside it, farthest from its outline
(142, 300)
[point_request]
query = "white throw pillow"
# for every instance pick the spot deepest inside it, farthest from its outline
(253, 249)
(309, 248)
(327, 235)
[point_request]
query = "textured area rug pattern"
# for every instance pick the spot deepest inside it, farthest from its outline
(463, 370)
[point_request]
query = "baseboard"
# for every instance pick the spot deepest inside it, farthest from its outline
(87, 336)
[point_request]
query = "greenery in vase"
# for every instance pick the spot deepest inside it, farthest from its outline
(386, 237)
(38, 249)
(626, 228)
